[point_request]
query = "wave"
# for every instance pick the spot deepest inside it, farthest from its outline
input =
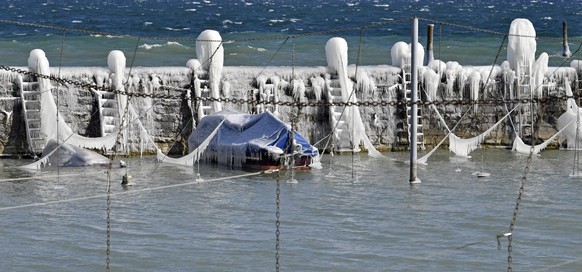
(177, 29)
(148, 46)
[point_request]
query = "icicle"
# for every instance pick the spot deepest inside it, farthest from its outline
(475, 84)
(539, 71)
(451, 74)
(438, 66)
(318, 85)
(431, 83)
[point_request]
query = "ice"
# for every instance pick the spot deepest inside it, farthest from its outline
(539, 71)
(521, 47)
(210, 54)
(66, 155)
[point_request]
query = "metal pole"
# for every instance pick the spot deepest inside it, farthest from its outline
(429, 47)
(566, 52)
(414, 106)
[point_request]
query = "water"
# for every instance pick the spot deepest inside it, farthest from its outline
(371, 220)
(379, 223)
(169, 28)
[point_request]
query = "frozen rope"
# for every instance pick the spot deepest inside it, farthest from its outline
(136, 191)
(552, 267)
(41, 177)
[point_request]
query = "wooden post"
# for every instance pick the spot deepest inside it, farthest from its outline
(566, 52)
(429, 46)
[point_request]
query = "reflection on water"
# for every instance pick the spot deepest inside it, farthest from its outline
(328, 221)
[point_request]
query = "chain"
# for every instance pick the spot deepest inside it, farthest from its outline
(509, 234)
(370, 103)
(108, 227)
(277, 221)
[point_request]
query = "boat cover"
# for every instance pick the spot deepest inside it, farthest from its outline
(247, 135)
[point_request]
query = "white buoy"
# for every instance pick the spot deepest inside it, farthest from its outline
(126, 180)
(480, 174)
(199, 178)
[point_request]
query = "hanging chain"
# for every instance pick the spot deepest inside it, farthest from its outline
(277, 221)
(509, 234)
(108, 227)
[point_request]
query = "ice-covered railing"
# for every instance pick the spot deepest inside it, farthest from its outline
(54, 127)
(336, 51)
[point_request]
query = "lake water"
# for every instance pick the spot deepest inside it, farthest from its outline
(167, 30)
(373, 222)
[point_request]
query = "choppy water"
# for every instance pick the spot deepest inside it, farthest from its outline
(379, 223)
(237, 20)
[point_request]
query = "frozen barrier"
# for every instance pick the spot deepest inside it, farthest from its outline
(165, 109)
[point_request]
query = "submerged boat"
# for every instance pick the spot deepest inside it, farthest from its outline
(251, 141)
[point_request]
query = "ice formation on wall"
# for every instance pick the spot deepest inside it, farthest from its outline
(538, 74)
(210, 54)
(53, 125)
(336, 51)
(521, 48)
(401, 54)
(570, 122)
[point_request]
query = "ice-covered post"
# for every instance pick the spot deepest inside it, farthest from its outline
(429, 47)
(413, 107)
(566, 52)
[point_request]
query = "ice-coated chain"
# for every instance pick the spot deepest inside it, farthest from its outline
(370, 103)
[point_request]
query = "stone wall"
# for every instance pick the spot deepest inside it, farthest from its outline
(169, 121)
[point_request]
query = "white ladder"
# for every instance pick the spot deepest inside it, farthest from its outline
(339, 122)
(108, 106)
(202, 90)
(406, 81)
(31, 106)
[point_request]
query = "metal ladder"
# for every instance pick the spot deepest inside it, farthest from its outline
(31, 109)
(108, 106)
(406, 81)
(339, 122)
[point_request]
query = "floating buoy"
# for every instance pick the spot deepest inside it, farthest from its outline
(481, 174)
(126, 180)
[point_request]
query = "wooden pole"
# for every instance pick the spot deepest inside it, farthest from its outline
(429, 43)
(566, 52)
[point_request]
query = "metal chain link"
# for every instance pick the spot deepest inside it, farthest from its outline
(509, 234)
(277, 221)
(371, 103)
(108, 224)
